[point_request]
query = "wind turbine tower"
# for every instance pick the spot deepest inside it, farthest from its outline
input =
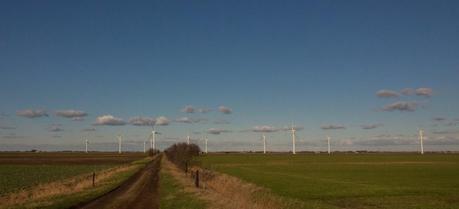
(86, 145)
(144, 148)
(264, 144)
(421, 140)
(119, 143)
(328, 142)
(188, 139)
(153, 139)
(293, 140)
(205, 140)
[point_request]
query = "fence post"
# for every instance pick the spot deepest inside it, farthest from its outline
(196, 181)
(93, 179)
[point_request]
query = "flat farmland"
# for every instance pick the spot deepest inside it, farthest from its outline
(392, 180)
(20, 170)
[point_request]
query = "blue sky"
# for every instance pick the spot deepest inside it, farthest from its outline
(316, 63)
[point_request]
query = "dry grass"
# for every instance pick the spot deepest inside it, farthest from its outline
(222, 191)
(73, 185)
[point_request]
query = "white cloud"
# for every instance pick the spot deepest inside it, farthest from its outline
(387, 93)
(427, 92)
(142, 121)
(401, 106)
(332, 127)
(264, 129)
(71, 113)
(32, 113)
(217, 131)
(162, 121)
(371, 126)
(109, 120)
(225, 110)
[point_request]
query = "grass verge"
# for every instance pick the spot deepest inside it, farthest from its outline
(173, 196)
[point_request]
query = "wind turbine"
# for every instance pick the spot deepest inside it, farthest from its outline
(188, 139)
(421, 140)
(293, 140)
(153, 138)
(120, 138)
(328, 142)
(205, 140)
(144, 149)
(86, 145)
(264, 144)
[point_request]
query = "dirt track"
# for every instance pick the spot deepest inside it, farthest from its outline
(139, 192)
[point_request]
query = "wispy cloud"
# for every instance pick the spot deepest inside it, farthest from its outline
(13, 136)
(407, 91)
(71, 113)
(78, 119)
(89, 129)
(401, 106)
(371, 126)
(7, 127)
(204, 110)
(142, 121)
(55, 128)
(221, 122)
(29, 113)
(217, 131)
(427, 92)
(184, 120)
(190, 120)
(439, 119)
(387, 93)
(188, 109)
(332, 127)
(109, 120)
(225, 110)
(264, 129)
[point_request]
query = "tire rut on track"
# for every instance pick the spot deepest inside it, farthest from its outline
(140, 191)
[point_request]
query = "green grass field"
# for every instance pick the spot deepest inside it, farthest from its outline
(350, 180)
(22, 170)
(15, 177)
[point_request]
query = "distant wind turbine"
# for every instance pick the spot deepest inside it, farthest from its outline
(144, 148)
(421, 140)
(264, 144)
(293, 140)
(152, 138)
(328, 142)
(120, 138)
(188, 139)
(86, 145)
(205, 140)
